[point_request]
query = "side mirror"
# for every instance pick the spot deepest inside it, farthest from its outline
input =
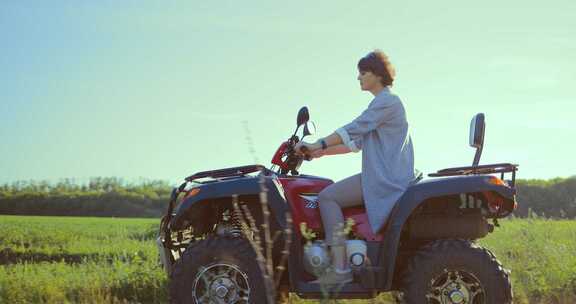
(309, 129)
(477, 127)
(303, 117)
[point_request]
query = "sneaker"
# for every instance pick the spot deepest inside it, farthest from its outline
(334, 276)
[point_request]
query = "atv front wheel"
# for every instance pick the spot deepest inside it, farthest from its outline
(218, 270)
(455, 272)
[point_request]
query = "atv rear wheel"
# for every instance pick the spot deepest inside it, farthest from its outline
(455, 271)
(218, 270)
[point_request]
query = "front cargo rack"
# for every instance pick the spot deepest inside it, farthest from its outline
(227, 172)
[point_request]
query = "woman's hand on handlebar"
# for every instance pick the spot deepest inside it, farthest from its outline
(303, 148)
(317, 153)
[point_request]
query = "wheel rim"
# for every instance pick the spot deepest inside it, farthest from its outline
(221, 284)
(456, 287)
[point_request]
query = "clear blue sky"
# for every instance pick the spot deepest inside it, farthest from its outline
(161, 89)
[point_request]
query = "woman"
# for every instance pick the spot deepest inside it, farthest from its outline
(381, 132)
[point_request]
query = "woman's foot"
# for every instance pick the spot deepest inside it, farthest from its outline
(339, 272)
(334, 276)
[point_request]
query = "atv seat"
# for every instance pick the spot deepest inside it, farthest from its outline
(359, 215)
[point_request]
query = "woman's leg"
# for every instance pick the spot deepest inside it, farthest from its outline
(331, 200)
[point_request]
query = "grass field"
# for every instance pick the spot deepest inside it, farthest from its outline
(109, 260)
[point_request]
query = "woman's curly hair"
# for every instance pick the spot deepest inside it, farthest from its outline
(378, 63)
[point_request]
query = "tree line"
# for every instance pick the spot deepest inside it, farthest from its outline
(100, 196)
(553, 198)
(111, 196)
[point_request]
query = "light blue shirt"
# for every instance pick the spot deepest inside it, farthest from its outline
(382, 133)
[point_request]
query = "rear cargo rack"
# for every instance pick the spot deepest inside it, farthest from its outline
(228, 172)
(483, 169)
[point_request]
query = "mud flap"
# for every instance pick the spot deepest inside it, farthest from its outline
(164, 255)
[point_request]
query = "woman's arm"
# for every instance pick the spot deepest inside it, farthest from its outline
(331, 140)
(332, 150)
(336, 140)
(334, 144)
(380, 111)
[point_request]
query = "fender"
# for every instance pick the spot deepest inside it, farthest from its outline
(241, 186)
(414, 197)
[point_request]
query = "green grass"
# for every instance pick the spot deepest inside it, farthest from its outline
(542, 257)
(110, 260)
(67, 259)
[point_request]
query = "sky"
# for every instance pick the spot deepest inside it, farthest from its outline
(164, 89)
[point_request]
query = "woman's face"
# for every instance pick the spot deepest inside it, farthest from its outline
(368, 80)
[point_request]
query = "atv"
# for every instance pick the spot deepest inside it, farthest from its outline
(426, 250)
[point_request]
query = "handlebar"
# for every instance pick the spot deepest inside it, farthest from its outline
(288, 158)
(306, 152)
